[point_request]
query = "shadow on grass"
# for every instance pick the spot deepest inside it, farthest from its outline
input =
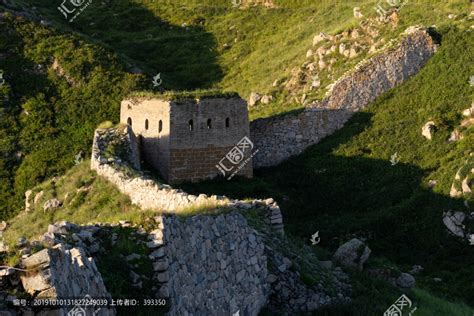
(185, 55)
(345, 197)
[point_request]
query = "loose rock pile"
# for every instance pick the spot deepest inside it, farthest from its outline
(59, 272)
(289, 295)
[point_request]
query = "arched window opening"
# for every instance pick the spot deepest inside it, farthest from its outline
(191, 126)
(227, 122)
(146, 124)
(209, 124)
(160, 126)
(129, 121)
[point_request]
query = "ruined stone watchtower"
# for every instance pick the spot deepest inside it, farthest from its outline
(185, 139)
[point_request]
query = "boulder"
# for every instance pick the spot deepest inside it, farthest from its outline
(27, 200)
(321, 37)
(455, 136)
(432, 183)
(355, 34)
(3, 226)
(63, 273)
(342, 48)
(38, 197)
(454, 222)
(132, 257)
(428, 130)
(321, 52)
(254, 98)
(52, 204)
(469, 112)
(454, 192)
(266, 99)
(316, 83)
(358, 13)
(322, 64)
(352, 254)
(471, 239)
(466, 186)
(416, 269)
(353, 53)
(406, 281)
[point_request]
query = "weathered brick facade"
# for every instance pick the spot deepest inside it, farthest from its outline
(185, 140)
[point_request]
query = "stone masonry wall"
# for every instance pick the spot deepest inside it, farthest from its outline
(151, 195)
(185, 139)
(150, 121)
(279, 138)
(61, 273)
(231, 250)
(184, 166)
(218, 124)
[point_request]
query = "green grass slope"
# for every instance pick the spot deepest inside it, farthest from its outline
(193, 44)
(49, 115)
(212, 44)
(87, 198)
(345, 186)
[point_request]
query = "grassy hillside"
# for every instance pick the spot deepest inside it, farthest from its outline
(58, 88)
(345, 186)
(88, 199)
(212, 44)
(62, 80)
(73, 75)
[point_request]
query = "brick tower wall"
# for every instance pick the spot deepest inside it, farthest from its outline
(153, 141)
(195, 151)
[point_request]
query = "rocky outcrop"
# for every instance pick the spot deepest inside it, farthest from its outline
(52, 204)
(352, 254)
(254, 98)
(203, 265)
(291, 296)
(279, 138)
(60, 273)
(454, 222)
(406, 281)
(463, 180)
(428, 130)
(250, 3)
